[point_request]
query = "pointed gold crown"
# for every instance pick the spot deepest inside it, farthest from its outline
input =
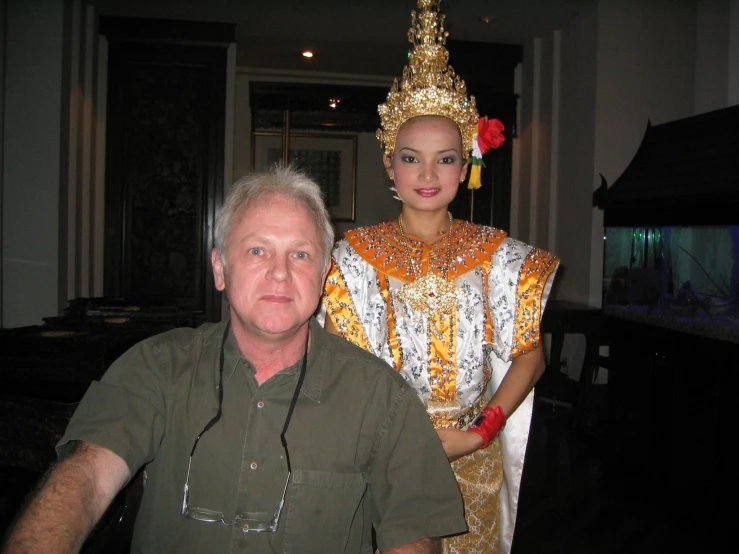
(429, 85)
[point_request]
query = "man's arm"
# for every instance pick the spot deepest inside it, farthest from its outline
(73, 497)
(424, 546)
(408, 515)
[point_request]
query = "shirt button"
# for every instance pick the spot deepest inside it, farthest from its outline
(260, 404)
(254, 465)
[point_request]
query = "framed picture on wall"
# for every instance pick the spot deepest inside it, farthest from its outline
(331, 160)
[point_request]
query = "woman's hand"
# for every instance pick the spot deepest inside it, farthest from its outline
(458, 443)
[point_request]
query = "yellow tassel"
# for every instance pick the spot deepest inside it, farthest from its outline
(475, 182)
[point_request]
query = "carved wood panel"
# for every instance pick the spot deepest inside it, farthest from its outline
(164, 168)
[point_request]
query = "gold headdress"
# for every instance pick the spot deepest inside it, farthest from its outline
(429, 85)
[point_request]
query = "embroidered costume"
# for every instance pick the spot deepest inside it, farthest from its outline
(452, 314)
(454, 359)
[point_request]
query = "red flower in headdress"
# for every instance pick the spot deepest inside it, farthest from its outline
(489, 134)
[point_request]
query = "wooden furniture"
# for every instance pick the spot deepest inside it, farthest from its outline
(672, 426)
(45, 370)
(562, 318)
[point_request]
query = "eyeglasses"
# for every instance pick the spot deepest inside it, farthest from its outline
(248, 522)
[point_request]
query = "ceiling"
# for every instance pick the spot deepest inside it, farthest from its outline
(354, 36)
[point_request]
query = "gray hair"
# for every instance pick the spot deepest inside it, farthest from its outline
(277, 181)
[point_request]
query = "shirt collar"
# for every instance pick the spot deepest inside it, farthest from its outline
(314, 373)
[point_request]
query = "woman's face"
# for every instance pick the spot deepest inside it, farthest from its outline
(427, 165)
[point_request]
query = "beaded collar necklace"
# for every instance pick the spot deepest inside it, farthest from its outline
(429, 294)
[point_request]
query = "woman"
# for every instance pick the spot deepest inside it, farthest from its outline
(454, 307)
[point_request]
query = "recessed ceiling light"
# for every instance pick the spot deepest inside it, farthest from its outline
(307, 54)
(487, 19)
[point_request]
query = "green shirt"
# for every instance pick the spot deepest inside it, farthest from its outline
(363, 452)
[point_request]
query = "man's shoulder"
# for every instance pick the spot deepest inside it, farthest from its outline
(184, 336)
(350, 357)
(180, 340)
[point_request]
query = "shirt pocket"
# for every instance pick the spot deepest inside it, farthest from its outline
(322, 508)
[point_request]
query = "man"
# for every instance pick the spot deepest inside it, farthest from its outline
(260, 434)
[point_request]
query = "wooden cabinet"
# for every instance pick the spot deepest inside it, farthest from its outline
(672, 426)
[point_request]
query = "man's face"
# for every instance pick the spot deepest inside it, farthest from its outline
(274, 268)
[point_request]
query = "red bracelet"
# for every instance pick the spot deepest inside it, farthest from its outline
(488, 424)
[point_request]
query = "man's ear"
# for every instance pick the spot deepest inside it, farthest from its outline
(463, 173)
(388, 166)
(218, 276)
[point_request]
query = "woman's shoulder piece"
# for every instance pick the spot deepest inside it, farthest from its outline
(374, 243)
(516, 256)
(368, 231)
(473, 244)
(491, 233)
(515, 244)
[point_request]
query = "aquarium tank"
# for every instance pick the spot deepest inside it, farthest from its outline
(685, 272)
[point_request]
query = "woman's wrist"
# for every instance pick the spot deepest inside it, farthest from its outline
(488, 424)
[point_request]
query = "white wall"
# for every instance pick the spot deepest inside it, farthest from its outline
(523, 149)
(717, 59)
(733, 61)
(577, 98)
(3, 34)
(530, 205)
(33, 86)
(83, 158)
(712, 78)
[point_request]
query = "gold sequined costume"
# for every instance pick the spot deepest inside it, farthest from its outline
(454, 359)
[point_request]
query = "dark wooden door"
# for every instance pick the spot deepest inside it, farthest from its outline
(164, 160)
